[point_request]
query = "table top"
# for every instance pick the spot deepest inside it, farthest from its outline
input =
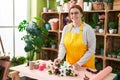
(43, 75)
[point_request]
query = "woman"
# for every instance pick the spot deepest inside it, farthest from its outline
(78, 41)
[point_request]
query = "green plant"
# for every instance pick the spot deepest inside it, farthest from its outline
(35, 36)
(53, 41)
(108, 1)
(18, 60)
(66, 1)
(95, 20)
(112, 25)
(87, 0)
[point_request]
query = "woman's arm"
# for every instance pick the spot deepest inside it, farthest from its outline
(90, 40)
(62, 50)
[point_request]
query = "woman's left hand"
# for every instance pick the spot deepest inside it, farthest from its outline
(77, 66)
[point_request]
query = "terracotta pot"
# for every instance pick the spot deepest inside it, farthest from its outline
(54, 23)
(54, 26)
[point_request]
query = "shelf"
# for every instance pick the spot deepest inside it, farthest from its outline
(51, 49)
(116, 35)
(54, 31)
(114, 59)
(99, 56)
(110, 41)
(95, 11)
(100, 34)
(113, 10)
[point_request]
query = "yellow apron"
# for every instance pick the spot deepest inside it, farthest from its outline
(75, 48)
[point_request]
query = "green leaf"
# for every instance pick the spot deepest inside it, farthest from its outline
(40, 19)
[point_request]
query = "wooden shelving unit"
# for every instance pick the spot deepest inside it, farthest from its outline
(110, 41)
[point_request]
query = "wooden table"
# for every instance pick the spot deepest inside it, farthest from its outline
(43, 75)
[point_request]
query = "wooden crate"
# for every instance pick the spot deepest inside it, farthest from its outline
(116, 5)
(119, 26)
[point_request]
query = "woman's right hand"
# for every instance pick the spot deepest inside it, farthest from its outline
(56, 61)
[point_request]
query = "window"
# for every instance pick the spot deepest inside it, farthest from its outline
(12, 12)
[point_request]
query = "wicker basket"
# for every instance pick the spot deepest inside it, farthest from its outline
(97, 5)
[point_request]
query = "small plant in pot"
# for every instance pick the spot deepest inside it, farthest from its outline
(53, 43)
(110, 54)
(112, 27)
(87, 5)
(118, 55)
(114, 55)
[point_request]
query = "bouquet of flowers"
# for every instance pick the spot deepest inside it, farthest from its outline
(62, 69)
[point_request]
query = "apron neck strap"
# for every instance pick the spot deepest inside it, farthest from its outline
(81, 27)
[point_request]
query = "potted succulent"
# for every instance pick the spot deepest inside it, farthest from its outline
(34, 37)
(112, 27)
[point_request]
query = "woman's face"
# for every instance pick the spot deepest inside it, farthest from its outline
(75, 15)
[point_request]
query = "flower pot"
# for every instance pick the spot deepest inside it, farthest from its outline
(111, 31)
(53, 46)
(101, 30)
(109, 55)
(113, 56)
(118, 57)
(59, 8)
(47, 26)
(54, 23)
(87, 6)
(114, 31)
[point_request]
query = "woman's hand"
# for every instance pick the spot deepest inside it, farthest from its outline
(56, 61)
(77, 66)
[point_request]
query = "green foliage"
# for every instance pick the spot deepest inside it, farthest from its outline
(53, 41)
(35, 37)
(66, 1)
(112, 25)
(95, 18)
(17, 61)
(108, 1)
(87, 0)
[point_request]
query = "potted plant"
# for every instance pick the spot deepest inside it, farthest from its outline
(110, 54)
(114, 54)
(118, 55)
(53, 43)
(34, 37)
(94, 23)
(112, 27)
(87, 5)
